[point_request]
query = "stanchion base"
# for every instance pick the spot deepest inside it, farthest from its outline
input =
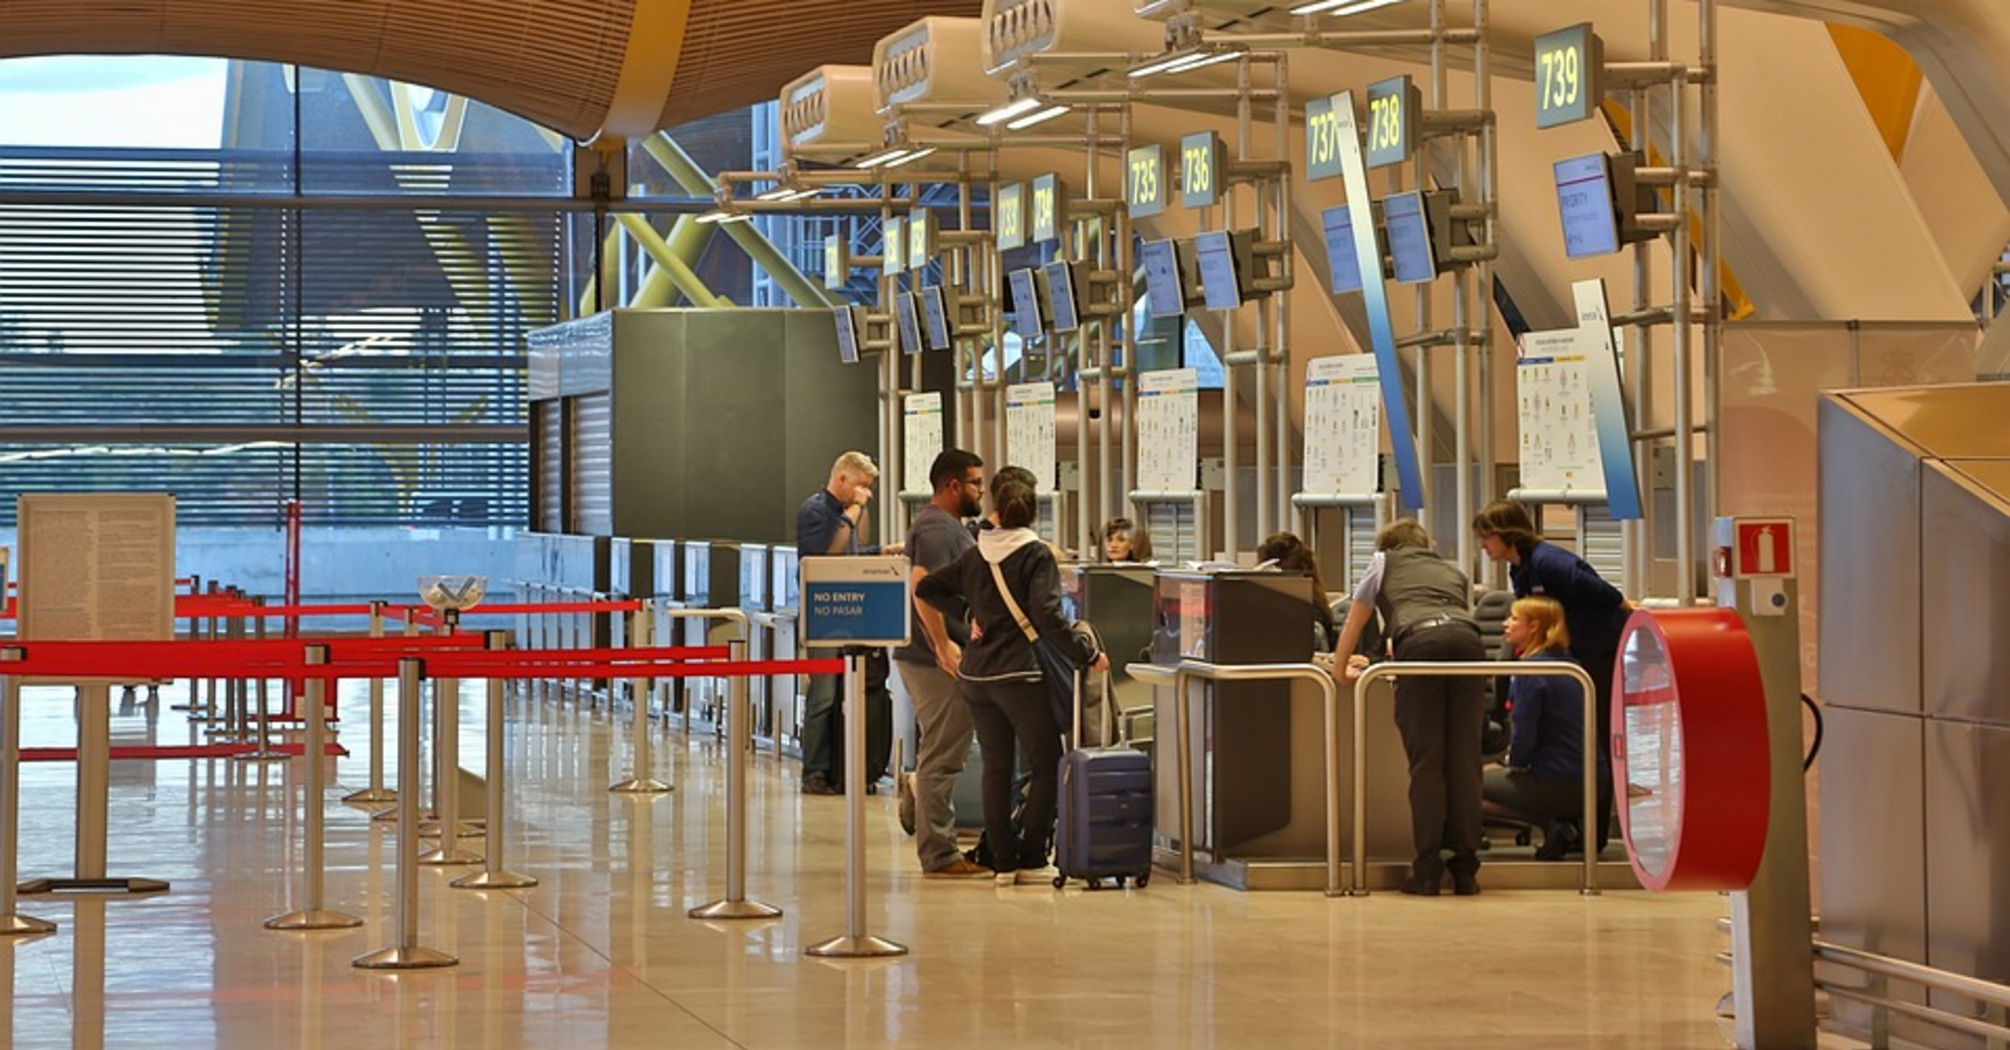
(262, 756)
(741, 909)
(387, 816)
(130, 886)
(494, 880)
(371, 795)
(12, 925)
(446, 855)
(641, 786)
(849, 947)
(313, 919)
(404, 959)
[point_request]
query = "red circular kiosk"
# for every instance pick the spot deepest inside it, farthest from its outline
(1690, 749)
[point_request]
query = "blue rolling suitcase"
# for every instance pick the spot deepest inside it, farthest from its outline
(1103, 828)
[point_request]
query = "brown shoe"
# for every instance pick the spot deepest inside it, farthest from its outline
(958, 869)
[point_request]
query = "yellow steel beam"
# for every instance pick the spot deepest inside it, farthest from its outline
(1887, 78)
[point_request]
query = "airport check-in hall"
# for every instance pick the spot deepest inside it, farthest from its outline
(1074, 523)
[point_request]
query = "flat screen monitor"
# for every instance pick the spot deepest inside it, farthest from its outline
(1026, 319)
(1584, 202)
(908, 317)
(1061, 295)
(935, 316)
(1342, 261)
(847, 332)
(1220, 285)
(1409, 237)
(1165, 296)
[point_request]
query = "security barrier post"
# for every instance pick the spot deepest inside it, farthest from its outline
(739, 741)
(311, 915)
(493, 875)
(407, 954)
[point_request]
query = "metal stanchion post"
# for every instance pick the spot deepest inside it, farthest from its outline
(407, 953)
(447, 763)
(376, 792)
(1183, 742)
(639, 782)
(493, 875)
(239, 689)
(410, 629)
(311, 915)
(739, 738)
(856, 943)
(11, 921)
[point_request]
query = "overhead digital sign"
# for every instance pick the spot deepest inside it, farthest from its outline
(1569, 75)
(1394, 106)
(1144, 181)
(1200, 169)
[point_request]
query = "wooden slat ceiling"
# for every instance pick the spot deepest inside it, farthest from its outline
(554, 62)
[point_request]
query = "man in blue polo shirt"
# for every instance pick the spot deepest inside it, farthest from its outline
(834, 521)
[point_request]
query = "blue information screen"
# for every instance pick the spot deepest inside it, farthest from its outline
(935, 316)
(1026, 318)
(1061, 295)
(910, 324)
(1164, 296)
(1218, 284)
(1409, 237)
(1584, 203)
(1341, 259)
(847, 333)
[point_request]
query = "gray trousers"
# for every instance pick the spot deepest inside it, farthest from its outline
(946, 730)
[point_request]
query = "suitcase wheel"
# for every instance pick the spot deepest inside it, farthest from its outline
(1142, 878)
(1093, 883)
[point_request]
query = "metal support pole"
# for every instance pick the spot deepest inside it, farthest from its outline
(11, 921)
(407, 954)
(239, 690)
(856, 943)
(376, 792)
(311, 915)
(639, 781)
(493, 875)
(94, 743)
(739, 742)
(447, 764)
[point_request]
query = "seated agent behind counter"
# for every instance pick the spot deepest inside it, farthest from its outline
(1424, 602)
(1544, 779)
(834, 521)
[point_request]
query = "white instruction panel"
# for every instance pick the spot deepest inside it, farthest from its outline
(1029, 431)
(1343, 426)
(97, 567)
(921, 430)
(1169, 430)
(1559, 441)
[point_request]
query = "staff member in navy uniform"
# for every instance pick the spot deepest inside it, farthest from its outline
(1426, 606)
(1593, 610)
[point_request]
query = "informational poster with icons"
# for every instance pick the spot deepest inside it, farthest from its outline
(921, 431)
(1559, 440)
(1169, 430)
(1343, 425)
(1029, 431)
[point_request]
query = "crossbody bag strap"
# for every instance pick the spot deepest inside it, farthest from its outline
(1012, 604)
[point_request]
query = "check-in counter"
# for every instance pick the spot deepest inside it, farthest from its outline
(1117, 600)
(1258, 755)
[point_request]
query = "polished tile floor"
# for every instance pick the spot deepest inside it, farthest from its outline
(601, 953)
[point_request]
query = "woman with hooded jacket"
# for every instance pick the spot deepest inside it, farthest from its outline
(1001, 676)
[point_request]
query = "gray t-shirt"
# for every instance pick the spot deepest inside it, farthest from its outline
(935, 540)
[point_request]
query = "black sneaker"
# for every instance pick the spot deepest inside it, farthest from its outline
(815, 785)
(1465, 884)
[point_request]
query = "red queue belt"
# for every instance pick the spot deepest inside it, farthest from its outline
(195, 606)
(378, 658)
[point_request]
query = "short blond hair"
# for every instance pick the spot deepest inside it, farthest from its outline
(856, 464)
